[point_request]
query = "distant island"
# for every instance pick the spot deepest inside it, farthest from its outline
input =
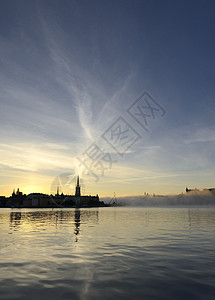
(39, 200)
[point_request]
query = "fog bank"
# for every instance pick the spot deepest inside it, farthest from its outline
(188, 199)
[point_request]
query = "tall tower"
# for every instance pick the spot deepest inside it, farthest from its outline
(78, 189)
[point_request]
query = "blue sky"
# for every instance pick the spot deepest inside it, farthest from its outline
(69, 69)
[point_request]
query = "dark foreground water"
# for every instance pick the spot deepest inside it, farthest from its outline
(107, 253)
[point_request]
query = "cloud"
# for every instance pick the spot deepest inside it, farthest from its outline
(74, 80)
(56, 146)
(202, 135)
(36, 157)
(94, 106)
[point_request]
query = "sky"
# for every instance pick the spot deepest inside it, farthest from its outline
(118, 92)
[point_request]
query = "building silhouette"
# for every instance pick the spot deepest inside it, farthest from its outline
(78, 189)
(40, 200)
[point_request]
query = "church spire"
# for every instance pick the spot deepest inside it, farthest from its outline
(78, 189)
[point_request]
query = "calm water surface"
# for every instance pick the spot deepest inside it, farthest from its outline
(107, 253)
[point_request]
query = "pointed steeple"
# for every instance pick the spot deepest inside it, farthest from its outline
(78, 189)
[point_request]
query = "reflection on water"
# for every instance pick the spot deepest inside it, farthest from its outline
(77, 222)
(34, 219)
(15, 219)
(107, 253)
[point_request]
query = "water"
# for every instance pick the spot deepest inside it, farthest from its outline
(107, 253)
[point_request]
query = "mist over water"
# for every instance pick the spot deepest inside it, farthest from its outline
(107, 253)
(188, 199)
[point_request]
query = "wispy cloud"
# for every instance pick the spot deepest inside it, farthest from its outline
(202, 135)
(95, 107)
(35, 158)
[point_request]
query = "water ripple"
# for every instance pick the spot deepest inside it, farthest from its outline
(119, 253)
